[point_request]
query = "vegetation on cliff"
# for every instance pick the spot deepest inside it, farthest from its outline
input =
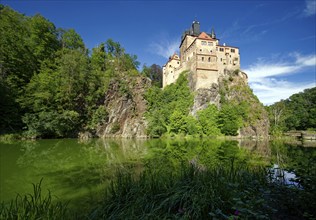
(169, 110)
(238, 100)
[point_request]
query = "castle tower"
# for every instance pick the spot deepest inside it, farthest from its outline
(203, 56)
(195, 29)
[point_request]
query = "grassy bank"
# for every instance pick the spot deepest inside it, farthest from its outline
(193, 192)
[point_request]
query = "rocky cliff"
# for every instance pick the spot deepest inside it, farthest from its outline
(126, 106)
(233, 88)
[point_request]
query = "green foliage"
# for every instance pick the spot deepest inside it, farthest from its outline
(48, 82)
(239, 106)
(168, 109)
(295, 113)
(51, 124)
(115, 128)
(209, 121)
(230, 119)
(9, 110)
(71, 40)
(24, 43)
(99, 116)
(154, 72)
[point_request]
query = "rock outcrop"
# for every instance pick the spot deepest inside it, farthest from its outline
(126, 106)
(233, 87)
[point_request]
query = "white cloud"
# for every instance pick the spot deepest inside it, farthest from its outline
(305, 61)
(272, 90)
(264, 69)
(310, 8)
(265, 77)
(165, 47)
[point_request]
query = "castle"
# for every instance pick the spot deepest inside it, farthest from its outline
(203, 56)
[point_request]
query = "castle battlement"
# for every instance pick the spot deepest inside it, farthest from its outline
(203, 56)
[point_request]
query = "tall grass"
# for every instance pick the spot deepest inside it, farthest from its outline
(215, 193)
(190, 194)
(34, 206)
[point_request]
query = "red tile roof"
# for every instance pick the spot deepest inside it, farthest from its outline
(204, 36)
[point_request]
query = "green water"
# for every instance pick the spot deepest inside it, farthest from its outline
(80, 171)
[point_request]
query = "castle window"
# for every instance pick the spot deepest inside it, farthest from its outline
(203, 42)
(210, 43)
(221, 59)
(169, 65)
(200, 50)
(202, 59)
(221, 49)
(178, 62)
(232, 50)
(209, 59)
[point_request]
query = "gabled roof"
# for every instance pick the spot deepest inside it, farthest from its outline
(203, 35)
(175, 56)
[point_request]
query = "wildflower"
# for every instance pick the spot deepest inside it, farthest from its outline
(236, 212)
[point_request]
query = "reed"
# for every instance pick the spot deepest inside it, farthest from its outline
(34, 206)
(192, 193)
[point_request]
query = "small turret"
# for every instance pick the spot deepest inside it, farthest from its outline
(213, 35)
(195, 28)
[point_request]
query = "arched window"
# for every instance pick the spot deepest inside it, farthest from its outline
(209, 59)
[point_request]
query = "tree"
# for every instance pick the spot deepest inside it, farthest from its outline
(154, 72)
(294, 113)
(25, 43)
(277, 115)
(208, 119)
(56, 96)
(229, 119)
(71, 39)
(168, 109)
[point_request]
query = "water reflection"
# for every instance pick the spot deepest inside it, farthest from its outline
(70, 169)
(282, 176)
(80, 171)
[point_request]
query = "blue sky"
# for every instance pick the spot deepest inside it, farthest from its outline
(276, 38)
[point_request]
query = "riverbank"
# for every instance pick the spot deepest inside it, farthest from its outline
(235, 192)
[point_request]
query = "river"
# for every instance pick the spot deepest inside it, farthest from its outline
(80, 171)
